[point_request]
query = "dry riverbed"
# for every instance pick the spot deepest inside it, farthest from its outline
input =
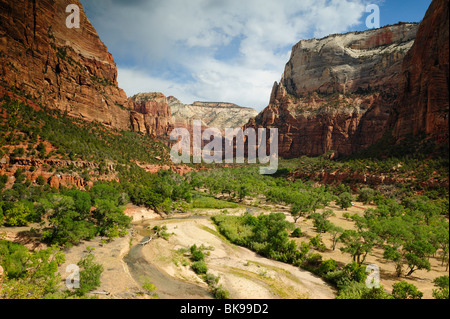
(127, 265)
(242, 272)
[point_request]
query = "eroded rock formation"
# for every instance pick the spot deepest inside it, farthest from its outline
(60, 67)
(219, 115)
(423, 103)
(337, 93)
(151, 114)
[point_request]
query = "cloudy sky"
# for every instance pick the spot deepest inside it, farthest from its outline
(223, 50)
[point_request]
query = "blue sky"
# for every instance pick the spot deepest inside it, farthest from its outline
(223, 50)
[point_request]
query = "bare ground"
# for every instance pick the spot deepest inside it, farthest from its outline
(242, 272)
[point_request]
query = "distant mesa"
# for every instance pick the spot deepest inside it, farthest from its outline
(220, 115)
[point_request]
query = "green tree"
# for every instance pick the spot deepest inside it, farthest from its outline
(357, 243)
(417, 255)
(40, 180)
(335, 232)
(3, 181)
(303, 205)
(321, 222)
(366, 195)
(67, 225)
(443, 287)
(243, 192)
(90, 274)
(110, 219)
(104, 192)
(30, 275)
(17, 215)
(345, 200)
(405, 290)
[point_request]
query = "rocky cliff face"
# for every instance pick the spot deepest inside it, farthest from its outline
(423, 103)
(151, 114)
(68, 69)
(337, 93)
(219, 115)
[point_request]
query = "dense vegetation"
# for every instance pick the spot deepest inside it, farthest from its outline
(408, 227)
(74, 139)
(34, 275)
(409, 221)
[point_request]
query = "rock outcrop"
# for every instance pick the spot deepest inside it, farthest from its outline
(60, 67)
(337, 93)
(219, 115)
(151, 114)
(423, 103)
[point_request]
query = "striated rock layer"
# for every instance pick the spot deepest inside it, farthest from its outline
(219, 115)
(68, 69)
(423, 103)
(151, 114)
(337, 93)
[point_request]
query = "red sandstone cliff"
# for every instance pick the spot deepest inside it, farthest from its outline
(337, 93)
(151, 114)
(344, 92)
(68, 69)
(423, 103)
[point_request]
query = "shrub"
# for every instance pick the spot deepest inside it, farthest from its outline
(40, 180)
(90, 274)
(210, 279)
(297, 233)
(199, 267)
(317, 243)
(345, 200)
(443, 284)
(220, 293)
(196, 254)
(312, 261)
(405, 290)
(327, 266)
(18, 152)
(338, 278)
(352, 290)
(355, 272)
(366, 195)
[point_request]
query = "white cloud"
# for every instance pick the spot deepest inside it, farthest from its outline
(172, 45)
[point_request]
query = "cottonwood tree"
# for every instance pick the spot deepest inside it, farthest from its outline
(406, 241)
(335, 232)
(321, 222)
(443, 287)
(405, 290)
(345, 200)
(358, 244)
(303, 205)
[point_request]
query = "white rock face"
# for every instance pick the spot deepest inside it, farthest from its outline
(212, 114)
(346, 63)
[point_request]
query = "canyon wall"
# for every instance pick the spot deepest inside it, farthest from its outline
(151, 114)
(67, 69)
(423, 103)
(219, 115)
(337, 93)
